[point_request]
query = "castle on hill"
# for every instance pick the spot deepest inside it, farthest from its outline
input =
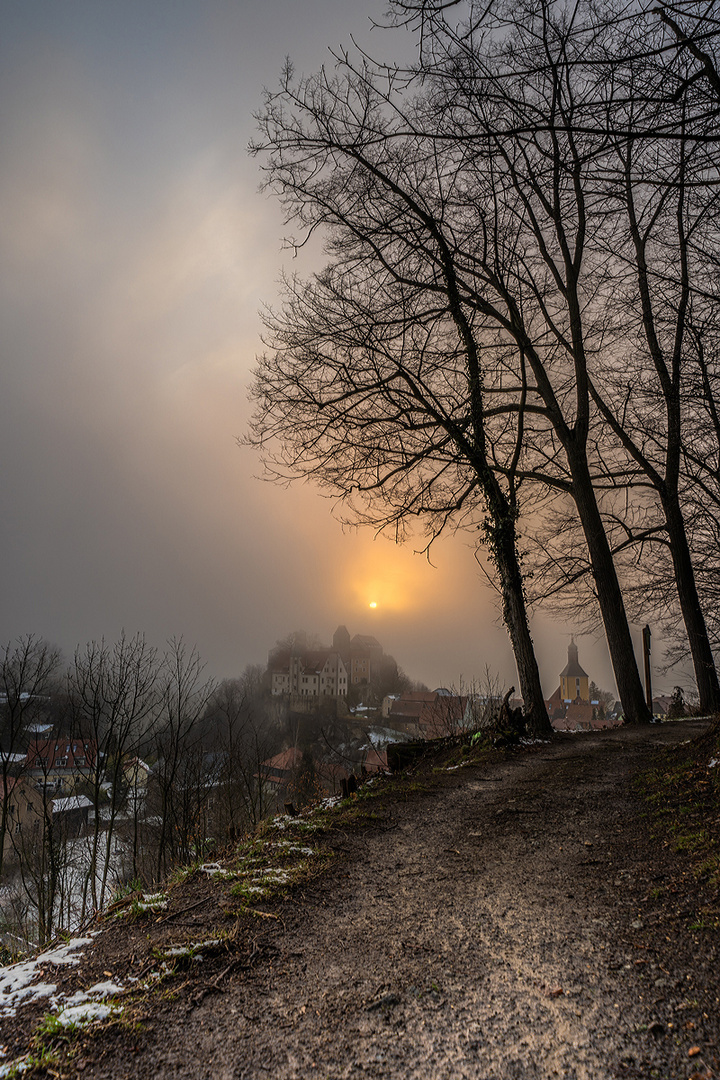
(328, 671)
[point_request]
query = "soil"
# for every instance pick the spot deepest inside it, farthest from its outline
(514, 919)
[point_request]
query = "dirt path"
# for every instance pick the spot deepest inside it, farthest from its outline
(489, 930)
(505, 923)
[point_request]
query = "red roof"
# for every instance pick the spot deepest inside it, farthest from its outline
(434, 714)
(286, 761)
(61, 753)
(580, 713)
(375, 761)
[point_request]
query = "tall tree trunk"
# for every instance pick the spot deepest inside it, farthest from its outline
(703, 661)
(515, 615)
(609, 594)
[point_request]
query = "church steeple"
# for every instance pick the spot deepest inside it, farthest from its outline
(574, 682)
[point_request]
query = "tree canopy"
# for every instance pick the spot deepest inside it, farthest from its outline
(519, 233)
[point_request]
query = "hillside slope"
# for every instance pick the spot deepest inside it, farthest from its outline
(509, 920)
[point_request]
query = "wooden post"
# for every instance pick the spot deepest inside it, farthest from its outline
(646, 658)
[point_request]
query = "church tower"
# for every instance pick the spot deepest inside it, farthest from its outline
(574, 682)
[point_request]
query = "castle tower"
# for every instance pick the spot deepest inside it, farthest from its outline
(341, 641)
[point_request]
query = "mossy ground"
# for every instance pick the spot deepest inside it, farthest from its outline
(682, 791)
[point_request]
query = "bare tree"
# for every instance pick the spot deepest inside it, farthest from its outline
(27, 669)
(113, 697)
(237, 727)
(179, 779)
(513, 96)
(41, 853)
(378, 378)
(659, 225)
(606, 134)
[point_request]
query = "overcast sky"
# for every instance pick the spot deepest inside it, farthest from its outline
(136, 252)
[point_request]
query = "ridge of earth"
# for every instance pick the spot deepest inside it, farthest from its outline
(509, 920)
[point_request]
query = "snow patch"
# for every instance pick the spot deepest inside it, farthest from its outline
(289, 848)
(16, 980)
(99, 990)
(82, 1015)
(61, 954)
(191, 948)
(13, 1068)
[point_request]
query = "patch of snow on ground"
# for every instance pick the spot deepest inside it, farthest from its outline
(61, 954)
(188, 950)
(715, 761)
(16, 980)
(151, 902)
(271, 876)
(81, 1015)
(99, 990)
(13, 1068)
(293, 849)
(215, 870)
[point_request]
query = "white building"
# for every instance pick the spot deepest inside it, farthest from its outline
(310, 674)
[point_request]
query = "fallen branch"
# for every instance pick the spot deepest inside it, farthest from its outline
(183, 911)
(208, 988)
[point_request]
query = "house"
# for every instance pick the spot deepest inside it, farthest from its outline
(12, 764)
(375, 761)
(282, 773)
(136, 773)
(280, 770)
(61, 762)
(25, 808)
(73, 813)
(428, 714)
(556, 707)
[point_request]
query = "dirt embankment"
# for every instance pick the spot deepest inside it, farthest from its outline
(511, 920)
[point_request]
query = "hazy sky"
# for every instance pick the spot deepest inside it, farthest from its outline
(136, 252)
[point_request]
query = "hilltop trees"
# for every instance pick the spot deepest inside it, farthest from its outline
(377, 386)
(519, 236)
